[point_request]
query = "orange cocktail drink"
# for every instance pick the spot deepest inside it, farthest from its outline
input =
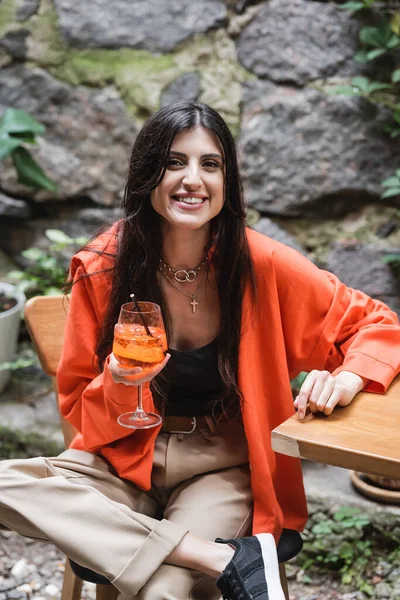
(133, 347)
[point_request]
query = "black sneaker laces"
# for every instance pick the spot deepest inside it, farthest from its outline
(232, 588)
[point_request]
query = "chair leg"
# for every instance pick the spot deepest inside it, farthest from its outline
(72, 585)
(106, 592)
(282, 575)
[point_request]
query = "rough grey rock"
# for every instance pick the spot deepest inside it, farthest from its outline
(28, 8)
(272, 230)
(186, 87)
(11, 207)
(383, 590)
(88, 135)
(153, 25)
(72, 219)
(304, 151)
(360, 266)
(298, 41)
(14, 43)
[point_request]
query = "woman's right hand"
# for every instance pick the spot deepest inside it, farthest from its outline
(135, 375)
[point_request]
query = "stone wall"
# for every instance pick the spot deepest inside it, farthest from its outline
(313, 163)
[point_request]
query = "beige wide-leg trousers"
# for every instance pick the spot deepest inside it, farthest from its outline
(200, 483)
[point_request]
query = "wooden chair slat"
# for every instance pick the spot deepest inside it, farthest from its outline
(45, 319)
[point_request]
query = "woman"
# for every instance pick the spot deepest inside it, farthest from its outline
(244, 315)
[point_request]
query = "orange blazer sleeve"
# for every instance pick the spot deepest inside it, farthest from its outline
(328, 325)
(90, 400)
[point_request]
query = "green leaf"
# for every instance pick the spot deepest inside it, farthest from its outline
(323, 528)
(20, 363)
(370, 36)
(8, 145)
(81, 241)
(391, 181)
(58, 237)
(29, 172)
(375, 53)
(361, 56)
(346, 578)
(362, 83)
(391, 258)
(15, 120)
(393, 43)
(343, 90)
(375, 86)
(395, 23)
(353, 6)
(397, 171)
(391, 193)
(15, 275)
(34, 254)
(53, 291)
(26, 137)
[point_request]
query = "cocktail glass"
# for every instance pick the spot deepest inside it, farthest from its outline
(140, 341)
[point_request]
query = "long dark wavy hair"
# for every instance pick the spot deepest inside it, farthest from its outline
(140, 238)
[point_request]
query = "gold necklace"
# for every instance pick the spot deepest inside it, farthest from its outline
(194, 302)
(188, 274)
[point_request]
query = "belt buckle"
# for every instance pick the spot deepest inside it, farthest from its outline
(194, 425)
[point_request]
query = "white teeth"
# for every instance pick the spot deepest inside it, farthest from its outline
(190, 200)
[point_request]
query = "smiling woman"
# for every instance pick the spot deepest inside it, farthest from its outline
(196, 506)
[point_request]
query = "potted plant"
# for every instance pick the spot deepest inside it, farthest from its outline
(17, 131)
(11, 304)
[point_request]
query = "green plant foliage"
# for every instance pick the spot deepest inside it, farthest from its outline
(297, 382)
(356, 6)
(16, 129)
(347, 544)
(381, 39)
(46, 269)
(392, 183)
(359, 86)
(17, 444)
(376, 41)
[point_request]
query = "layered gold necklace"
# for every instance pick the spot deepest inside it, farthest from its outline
(184, 276)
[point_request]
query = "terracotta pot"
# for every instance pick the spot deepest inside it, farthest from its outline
(375, 487)
(385, 482)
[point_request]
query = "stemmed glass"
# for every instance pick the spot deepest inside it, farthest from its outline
(140, 341)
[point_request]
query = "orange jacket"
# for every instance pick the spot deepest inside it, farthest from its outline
(305, 319)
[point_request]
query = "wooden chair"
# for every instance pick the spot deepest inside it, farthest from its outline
(45, 319)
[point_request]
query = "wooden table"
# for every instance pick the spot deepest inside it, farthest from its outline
(364, 436)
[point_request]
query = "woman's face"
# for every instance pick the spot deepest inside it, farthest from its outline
(192, 190)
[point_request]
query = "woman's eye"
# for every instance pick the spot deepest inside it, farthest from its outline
(211, 164)
(174, 162)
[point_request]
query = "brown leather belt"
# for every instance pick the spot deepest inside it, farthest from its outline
(187, 424)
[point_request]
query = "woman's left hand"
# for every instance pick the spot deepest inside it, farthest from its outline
(322, 391)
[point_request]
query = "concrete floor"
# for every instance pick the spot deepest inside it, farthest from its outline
(332, 485)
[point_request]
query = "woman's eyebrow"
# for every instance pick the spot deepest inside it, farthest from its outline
(210, 155)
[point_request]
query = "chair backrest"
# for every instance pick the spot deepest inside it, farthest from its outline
(45, 319)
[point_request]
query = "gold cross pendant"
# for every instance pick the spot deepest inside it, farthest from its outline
(194, 303)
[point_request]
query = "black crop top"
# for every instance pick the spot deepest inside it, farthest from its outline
(191, 381)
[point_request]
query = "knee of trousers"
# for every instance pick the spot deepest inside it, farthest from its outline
(23, 468)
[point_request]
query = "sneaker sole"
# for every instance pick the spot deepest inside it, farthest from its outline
(271, 566)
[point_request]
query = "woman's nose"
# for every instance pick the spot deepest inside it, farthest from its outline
(192, 178)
